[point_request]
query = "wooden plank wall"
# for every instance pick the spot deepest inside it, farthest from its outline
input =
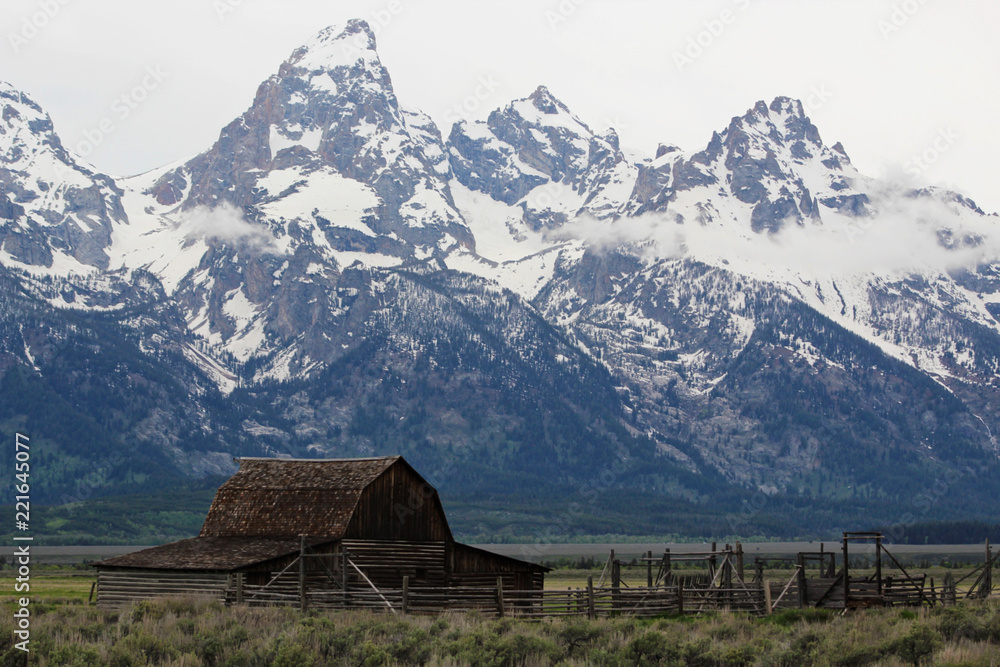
(386, 563)
(118, 587)
(399, 506)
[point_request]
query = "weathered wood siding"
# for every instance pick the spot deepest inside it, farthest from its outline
(386, 563)
(471, 566)
(118, 587)
(399, 505)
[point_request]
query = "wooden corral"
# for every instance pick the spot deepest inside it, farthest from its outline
(335, 531)
(833, 588)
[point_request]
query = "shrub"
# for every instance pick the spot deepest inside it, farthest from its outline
(575, 635)
(789, 617)
(919, 643)
(698, 653)
(651, 648)
(413, 648)
(439, 626)
(958, 623)
(739, 656)
(291, 654)
(140, 648)
(74, 656)
(857, 656)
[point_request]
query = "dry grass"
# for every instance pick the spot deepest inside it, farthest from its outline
(196, 633)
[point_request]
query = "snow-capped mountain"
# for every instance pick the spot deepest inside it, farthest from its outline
(58, 213)
(523, 306)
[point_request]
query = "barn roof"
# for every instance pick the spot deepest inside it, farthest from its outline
(291, 497)
(206, 553)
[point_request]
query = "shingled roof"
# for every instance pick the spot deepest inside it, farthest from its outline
(206, 553)
(291, 497)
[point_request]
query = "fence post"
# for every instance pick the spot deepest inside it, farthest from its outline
(591, 610)
(948, 593)
(727, 577)
(239, 587)
(343, 573)
(406, 594)
(847, 575)
(879, 587)
(649, 569)
(801, 562)
(500, 596)
(302, 573)
(988, 579)
(616, 583)
(667, 573)
(680, 596)
(739, 562)
(767, 598)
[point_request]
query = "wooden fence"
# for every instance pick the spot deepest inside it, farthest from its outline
(669, 589)
(591, 602)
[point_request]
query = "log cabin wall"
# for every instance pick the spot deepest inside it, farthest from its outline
(471, 566)
(118, 587)
(387, 562)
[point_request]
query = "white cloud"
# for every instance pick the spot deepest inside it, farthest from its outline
(225, 223)
(908, 235)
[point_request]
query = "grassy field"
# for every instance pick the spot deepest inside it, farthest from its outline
(51, 585)
(192, 633)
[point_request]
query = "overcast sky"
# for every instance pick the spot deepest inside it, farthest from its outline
(908, 86)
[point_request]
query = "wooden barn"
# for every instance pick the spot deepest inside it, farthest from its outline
(345, 532)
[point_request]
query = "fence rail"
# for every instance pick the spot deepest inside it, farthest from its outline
(592, 602)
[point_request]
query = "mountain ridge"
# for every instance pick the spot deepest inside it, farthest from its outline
(519, 304)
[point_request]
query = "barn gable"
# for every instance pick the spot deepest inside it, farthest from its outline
(399, 505)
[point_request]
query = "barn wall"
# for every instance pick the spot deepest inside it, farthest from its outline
(399, 505)
(469, 566)
(386, 563)
(118, 587)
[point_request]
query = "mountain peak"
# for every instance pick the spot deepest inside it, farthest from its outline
(788, 106)
(546, 102)
(337, 46)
